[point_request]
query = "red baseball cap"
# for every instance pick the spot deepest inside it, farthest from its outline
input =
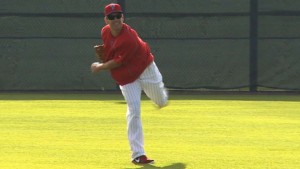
(110, 8)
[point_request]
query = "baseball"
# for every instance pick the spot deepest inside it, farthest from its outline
(94, 66)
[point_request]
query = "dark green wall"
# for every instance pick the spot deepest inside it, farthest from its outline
(48, 45)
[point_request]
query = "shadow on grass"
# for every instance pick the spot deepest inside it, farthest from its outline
(61, 96)
(118, 98)
(173, 166)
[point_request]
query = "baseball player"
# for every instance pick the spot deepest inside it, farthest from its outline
(131, 64)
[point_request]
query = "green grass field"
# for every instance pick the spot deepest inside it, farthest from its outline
(88, 131)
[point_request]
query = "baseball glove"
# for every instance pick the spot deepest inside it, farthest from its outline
(99, 49)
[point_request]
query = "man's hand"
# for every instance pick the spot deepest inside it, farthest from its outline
(95, 67)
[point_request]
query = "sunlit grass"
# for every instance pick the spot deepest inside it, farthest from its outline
(88, 131)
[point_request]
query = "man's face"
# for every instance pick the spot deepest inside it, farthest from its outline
(115, 20)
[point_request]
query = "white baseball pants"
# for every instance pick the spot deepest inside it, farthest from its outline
(151, 83)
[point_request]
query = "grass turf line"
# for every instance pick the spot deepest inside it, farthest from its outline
(201, 131)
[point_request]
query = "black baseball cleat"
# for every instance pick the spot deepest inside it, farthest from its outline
(141, 160)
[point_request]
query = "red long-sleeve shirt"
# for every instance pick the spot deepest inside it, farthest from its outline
(128, 49)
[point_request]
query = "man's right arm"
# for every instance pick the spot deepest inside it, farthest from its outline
(97, 67)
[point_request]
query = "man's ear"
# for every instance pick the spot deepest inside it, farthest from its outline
(105, 20)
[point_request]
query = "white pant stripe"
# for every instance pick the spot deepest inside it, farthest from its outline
(151, 83)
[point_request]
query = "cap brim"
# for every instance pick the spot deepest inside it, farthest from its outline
(114, 12)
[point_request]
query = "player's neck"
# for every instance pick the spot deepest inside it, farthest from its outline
(115, 33)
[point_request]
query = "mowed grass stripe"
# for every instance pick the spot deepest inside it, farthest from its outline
(89, 131)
